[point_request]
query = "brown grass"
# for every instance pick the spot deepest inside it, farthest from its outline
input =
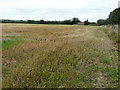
(53, 46)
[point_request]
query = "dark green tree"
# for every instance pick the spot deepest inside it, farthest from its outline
(86, 22)
(114, 17)
(75, 20)
(101, 22)
(41, 22)
(30, 21)
(67, 22)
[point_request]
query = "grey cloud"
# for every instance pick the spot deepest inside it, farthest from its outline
(28, 11)
(93, 11)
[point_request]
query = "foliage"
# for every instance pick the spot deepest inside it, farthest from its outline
(101, 22)
(75, 20)
(86, 22)
(69, 22)
(114, 17)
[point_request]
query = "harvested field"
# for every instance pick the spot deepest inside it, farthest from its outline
(53, 56)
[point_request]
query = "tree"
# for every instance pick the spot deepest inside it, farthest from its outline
(75, 20)
(101, 22)
(92, 23)
(67, 22)
(86, 22)
(41, 22)
(30, 21)
(114, 17)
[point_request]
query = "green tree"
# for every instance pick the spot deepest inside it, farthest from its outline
(114, 17)
(101, 22)
(67, 22)
(75, 20)
(30, 21)
(41, 22)
(86, 22)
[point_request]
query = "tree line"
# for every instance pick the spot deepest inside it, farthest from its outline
(67, 22)
(114, 18)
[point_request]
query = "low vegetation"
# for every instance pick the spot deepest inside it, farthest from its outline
(58, 56)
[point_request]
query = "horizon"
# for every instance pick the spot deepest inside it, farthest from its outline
(57, 10)
(41, 19)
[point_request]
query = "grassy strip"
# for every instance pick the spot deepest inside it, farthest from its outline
(112, 34)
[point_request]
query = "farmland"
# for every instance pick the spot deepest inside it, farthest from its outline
(62, 56)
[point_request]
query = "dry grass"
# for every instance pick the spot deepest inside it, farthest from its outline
(58, 56)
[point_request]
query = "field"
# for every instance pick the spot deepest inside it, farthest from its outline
(58, 56)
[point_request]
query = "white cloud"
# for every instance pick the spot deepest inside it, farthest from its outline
(57, 9)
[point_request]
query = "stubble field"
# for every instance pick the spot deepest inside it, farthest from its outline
(58, 56)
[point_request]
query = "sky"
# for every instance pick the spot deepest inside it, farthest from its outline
(56, 9)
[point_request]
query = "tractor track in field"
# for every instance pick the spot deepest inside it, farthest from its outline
(77, 33)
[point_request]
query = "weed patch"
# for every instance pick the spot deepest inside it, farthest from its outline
(106, 61)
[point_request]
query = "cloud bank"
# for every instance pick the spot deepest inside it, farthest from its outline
(56, 9)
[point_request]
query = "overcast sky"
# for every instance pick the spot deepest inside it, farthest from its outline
(56, 9)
